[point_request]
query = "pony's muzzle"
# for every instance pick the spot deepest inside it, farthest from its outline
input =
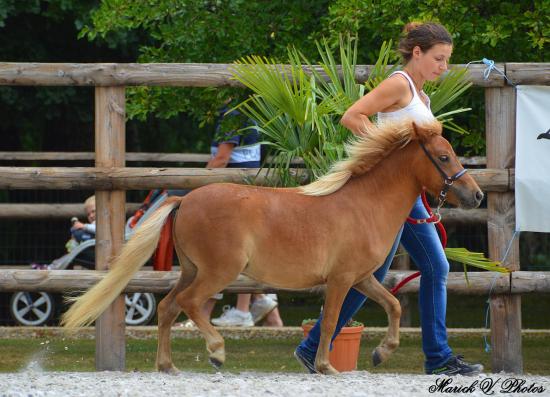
(467, 198)
(475, 200)
(479, 197)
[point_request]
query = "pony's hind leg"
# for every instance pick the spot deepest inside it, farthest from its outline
(168, 311)
(376, 291)
(191, 300)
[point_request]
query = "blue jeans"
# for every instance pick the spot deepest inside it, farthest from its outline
(423, 245)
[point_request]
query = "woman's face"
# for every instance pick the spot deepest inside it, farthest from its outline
(433, 62)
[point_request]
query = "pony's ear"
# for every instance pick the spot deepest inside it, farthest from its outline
(418, 132)
(422, 132)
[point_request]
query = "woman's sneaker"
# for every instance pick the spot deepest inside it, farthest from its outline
(186, 324)
(261, 308)
(457, 366)
(232, 317)
(306, 359)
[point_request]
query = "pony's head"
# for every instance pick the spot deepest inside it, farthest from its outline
(439, 170)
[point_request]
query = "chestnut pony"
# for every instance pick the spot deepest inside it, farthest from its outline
(335, 231)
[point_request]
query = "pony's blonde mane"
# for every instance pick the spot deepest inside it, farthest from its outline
(366, 151)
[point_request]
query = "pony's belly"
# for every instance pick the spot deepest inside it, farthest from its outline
(281, 276)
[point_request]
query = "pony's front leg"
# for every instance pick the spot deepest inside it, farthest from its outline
(335, 293)
(376, 291)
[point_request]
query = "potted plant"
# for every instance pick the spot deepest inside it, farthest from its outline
(345, 347)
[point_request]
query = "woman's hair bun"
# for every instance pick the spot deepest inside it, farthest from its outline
(411, 26)
(424, 35)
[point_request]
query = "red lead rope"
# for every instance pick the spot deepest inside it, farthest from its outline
(442, 234)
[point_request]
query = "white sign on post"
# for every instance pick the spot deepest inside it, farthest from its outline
(533, 159)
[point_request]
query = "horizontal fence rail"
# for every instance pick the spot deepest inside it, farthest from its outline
(50, 211)
(66, 211)
(129, 178)
(156, 157)
(178, 74)
(89, 156)
(528, 73)
(480, 283)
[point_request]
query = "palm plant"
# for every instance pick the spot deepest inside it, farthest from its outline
(298, 107)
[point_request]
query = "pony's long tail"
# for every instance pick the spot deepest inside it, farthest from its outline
(134, 254)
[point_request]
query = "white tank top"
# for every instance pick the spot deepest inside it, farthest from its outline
(415, 110)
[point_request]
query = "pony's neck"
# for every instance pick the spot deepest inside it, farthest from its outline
(390, 188)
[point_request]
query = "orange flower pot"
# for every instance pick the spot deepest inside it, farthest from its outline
(345, 350)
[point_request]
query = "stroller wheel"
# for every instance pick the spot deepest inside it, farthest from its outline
(140, 308)
(31, 308)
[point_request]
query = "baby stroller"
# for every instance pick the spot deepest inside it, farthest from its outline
(41, 308)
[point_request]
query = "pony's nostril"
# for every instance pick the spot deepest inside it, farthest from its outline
(479, 195)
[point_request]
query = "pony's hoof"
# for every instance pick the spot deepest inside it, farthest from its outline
(217, 358)
(327, 370)
(376, 358)
(217, 364)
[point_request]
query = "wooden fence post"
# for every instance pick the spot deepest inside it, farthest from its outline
(110, 148)
(505, 308)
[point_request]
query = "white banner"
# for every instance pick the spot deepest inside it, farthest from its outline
(533, 159)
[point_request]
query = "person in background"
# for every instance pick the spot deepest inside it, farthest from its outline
(233, 149)
(85, 231)
(426, 49)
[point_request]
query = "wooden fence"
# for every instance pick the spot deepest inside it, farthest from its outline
(65, 211)
(110, 178)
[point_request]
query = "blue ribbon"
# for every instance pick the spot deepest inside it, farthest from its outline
(490, 66)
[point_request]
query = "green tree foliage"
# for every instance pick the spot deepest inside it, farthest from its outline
(198, 31)
(222, 31)
(36, 118)
(505, 31)
(61, 118)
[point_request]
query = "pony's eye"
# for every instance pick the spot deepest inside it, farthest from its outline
(444, 158)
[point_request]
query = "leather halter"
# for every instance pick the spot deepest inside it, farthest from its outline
(447, 183)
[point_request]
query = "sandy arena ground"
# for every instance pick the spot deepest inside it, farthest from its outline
(250, 384)
(33, 381)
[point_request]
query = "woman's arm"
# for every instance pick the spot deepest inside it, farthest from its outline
(389, 95)
(222, 156)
